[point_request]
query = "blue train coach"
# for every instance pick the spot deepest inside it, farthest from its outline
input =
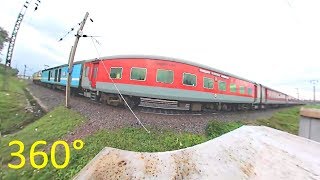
(56, 77)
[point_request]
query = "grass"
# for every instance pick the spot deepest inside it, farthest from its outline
(217, 128)
(316, 106)
(284, 120)
(50, 128)
(56, 124)
(12, 105)
(59, 122)
(133, 139)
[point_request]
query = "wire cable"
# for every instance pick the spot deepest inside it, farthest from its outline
(92, 39)
(72, 29)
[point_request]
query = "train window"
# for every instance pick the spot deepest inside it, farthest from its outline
(233, 88)
(222, 86)
(249, 91)
(164, 76)
(55, 75)
(116, 72)
(207, 83)
(86, 72)
(242, 90)
(138, 74)
(59, 75)
(189, 79)
(49, 75)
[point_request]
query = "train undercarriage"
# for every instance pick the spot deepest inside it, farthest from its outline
(134, 101)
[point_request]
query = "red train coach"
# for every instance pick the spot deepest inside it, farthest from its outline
(167, 78)
(275, 97)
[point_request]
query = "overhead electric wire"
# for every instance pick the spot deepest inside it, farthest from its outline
(72, 29)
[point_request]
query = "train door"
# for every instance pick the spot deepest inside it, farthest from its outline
(264, 94)
(94, 75)
(257, 93)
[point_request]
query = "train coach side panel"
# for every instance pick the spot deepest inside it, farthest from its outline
(76, 75)
(175, 90)
(275, 97)
(58, 78)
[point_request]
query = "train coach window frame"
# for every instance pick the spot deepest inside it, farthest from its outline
(204, 83)
(165, 70)
(225, 86)
(183, 78)
(145, 74)
(111, 68)
(233, 88)
(49, 75)
(86, 71)
(55, 75)
(242, 90)
(250, 91)
(59, 75)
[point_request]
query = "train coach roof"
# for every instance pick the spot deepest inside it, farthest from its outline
(170, 59)
(63, 65)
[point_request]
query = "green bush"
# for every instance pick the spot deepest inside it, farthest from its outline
(218, 128)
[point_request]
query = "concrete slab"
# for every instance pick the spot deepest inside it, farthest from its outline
(246, 153)
(309, 125)
(310, 112)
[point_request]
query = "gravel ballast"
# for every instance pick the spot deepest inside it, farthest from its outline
(102, 116)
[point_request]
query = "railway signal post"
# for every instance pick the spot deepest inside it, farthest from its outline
(71, 59)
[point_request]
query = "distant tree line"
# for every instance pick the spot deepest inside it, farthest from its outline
(4, 37)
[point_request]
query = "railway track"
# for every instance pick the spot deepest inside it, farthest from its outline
(162, 107)
(101, 116)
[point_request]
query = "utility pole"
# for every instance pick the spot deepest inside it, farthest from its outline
(314, 89)
(24, 71)
(71, 58)
(297, 92)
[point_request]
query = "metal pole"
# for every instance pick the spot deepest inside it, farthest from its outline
(314, 89)
(68, 81)
(314, 93)
(24, 71)
(14, 34)
(72, 54)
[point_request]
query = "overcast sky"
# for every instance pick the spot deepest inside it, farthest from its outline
(273, 42)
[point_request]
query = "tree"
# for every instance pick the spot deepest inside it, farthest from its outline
(4, 37)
